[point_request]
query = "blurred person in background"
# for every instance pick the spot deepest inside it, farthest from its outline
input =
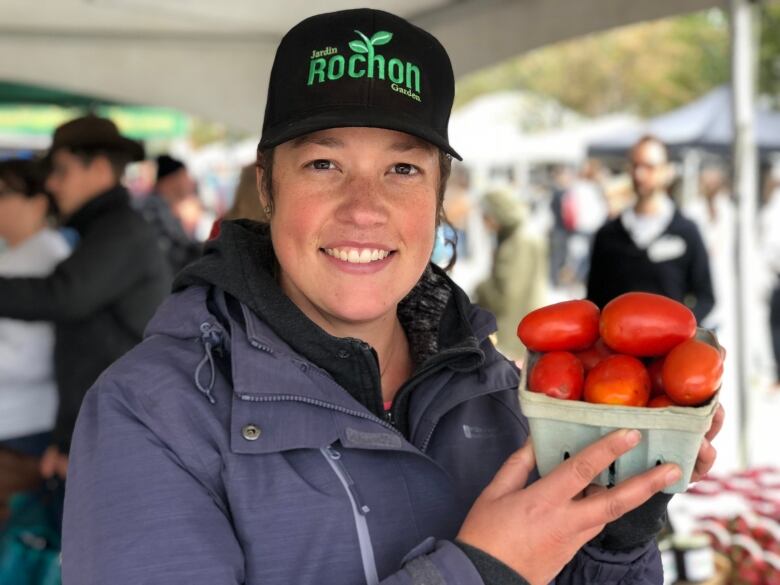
(518, 279)
(28, 391)
(170, 206)
(559, 231)
(246, 202)
(651, 247)
(585, 211)
(714, 213)
(770, 239)
(101, 297)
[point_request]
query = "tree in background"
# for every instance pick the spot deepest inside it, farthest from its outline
(769, 52)
(644, 69)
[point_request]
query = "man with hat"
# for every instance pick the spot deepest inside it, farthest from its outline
(101, 297)
(174, 186)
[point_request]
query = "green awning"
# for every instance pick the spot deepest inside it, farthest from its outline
(27, 110)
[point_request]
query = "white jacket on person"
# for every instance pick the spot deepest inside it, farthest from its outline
(28, 392)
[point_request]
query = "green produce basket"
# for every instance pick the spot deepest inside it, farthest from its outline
(561, 428)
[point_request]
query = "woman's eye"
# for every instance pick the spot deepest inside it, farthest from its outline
(405, 169)
(321, 164)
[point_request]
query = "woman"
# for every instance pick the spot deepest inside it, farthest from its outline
(28, 391)
(317, 403)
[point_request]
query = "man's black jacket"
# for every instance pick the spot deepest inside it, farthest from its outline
(100, 298)
(618, 266)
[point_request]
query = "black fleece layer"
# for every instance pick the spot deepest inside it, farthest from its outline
(242, 263)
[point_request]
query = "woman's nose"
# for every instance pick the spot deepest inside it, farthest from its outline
(362, 202)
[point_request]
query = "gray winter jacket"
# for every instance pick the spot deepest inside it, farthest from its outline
(215, 454)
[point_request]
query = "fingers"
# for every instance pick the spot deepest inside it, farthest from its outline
(576, 473)
(606, 506)
(513, 474)
(704, 461)
(717, 423)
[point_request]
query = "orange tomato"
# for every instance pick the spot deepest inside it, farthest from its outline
(558, 374)
(594, 354)
(660, 401)
(619, 379)
(692, 372)
(645, 324)
(566, 326)
(656, 379)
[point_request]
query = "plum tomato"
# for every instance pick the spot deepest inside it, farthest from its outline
(692, 372)
(594, 354)
(565, 326)
(558, 374)
(660, 401)
(655, 368)
(645, 324)
(619, 379)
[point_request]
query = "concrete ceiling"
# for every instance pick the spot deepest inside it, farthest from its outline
(212, 59)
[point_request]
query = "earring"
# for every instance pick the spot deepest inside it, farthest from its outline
(267, 210)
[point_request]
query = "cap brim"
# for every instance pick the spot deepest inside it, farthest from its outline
(354, 117)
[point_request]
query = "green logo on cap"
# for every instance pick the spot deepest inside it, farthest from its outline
(328, 65)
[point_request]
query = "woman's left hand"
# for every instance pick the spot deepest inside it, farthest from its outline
(707, 452)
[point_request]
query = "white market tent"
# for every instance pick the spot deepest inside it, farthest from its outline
(212, 59)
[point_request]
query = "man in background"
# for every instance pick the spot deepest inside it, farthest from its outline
(651, 247)
(101, 297)
(173, 198)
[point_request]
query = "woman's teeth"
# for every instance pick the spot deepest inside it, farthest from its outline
(355, 256)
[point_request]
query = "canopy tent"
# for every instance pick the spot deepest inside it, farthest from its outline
(706, 123)
(212, 59)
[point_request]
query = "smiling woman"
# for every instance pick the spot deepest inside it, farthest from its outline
(304, 407)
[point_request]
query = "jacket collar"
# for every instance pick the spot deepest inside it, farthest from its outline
(114, 198)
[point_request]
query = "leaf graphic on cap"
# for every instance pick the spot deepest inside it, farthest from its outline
(358, 46)
(381, 37)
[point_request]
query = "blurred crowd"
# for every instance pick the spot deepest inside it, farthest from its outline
(83, 266)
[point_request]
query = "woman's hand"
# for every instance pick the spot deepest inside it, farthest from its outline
(707, 452)
(536, 530)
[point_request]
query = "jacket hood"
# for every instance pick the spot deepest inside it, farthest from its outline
(437, 315)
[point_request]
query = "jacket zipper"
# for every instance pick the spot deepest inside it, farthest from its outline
(359, 511)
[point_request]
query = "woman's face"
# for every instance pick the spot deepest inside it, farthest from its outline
(353, 222)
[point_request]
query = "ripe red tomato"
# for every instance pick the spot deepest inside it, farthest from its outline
(660, 401)
(558, 374)
(619, 379)
(644, 324)
(656, 379)
(566, 326)
(594, 354)
(692, 372)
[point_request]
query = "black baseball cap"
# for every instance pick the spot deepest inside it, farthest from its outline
(360, 67)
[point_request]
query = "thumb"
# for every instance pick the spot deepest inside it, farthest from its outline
(513, 474)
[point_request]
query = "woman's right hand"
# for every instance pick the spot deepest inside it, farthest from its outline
(536, 530)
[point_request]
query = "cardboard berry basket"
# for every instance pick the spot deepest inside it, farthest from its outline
(561, 428)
